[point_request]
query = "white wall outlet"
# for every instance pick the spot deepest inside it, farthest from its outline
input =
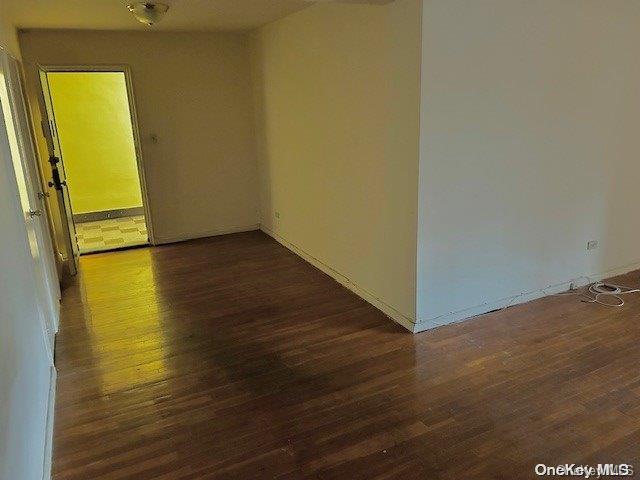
(592, 244)
(277, 214)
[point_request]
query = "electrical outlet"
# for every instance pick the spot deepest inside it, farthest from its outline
(277, 214)
(592, 244)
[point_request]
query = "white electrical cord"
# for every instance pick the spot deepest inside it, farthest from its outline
(603, 290)
(594, 292)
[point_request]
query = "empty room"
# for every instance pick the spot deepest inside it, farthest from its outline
(296, 239)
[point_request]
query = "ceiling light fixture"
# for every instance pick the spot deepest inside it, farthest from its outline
(148, 12)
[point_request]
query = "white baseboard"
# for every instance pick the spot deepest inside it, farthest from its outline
(467, 313)
(345, 281)
(163, 240)
(56, 316)
(48, 442)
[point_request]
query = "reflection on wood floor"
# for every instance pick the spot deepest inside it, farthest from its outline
(232, 358)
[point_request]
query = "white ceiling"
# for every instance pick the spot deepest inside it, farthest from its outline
(182, 14)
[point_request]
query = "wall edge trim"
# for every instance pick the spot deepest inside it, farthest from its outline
(108, 214)
(467, 313)
(166, 239)
(345, 281)
(48, 441)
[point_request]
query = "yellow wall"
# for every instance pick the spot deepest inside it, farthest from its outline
(94, 127)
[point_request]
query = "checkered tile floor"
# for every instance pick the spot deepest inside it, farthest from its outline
(110, 234)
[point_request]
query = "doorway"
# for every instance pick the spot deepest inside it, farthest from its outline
(95, 158)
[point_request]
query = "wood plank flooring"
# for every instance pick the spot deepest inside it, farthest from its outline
(232, 358)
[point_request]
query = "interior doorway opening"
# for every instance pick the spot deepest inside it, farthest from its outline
(95, 159)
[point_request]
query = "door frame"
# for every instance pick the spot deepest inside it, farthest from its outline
(24, 164)
(126, 70)
(30, 166)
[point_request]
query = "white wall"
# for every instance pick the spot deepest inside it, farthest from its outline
(337, 95)
(193, 91)
(24, 365)
(8, 34)
(529, 148)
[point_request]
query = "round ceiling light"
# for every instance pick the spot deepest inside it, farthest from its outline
(147, 12)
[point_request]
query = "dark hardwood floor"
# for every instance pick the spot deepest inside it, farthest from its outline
(232, 358)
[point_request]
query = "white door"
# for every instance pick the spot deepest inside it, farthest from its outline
(58, 178)
(24, 165)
